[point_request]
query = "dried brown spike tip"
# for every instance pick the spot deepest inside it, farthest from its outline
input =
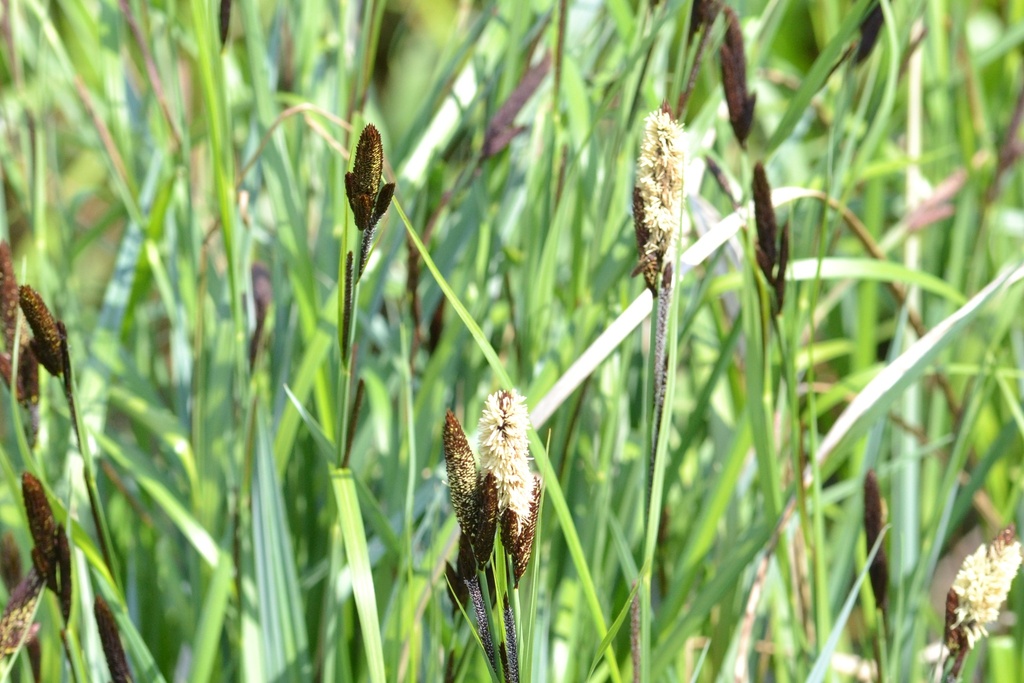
(16, 625)
(520, 546)
(42, 526)
(8, 297)
(462, 478)
(734, 78)
(112, 649)
(47, 342)
(225, 20)
(873, 522)
(482, 537)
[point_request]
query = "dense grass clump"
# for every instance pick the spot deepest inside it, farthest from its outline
(510, 341)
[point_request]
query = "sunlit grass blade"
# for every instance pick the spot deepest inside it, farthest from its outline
(354, 535)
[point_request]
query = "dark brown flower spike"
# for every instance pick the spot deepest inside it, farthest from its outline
(466, 561)
(43, 528)
(511, 651)
(487, 519)
(346, 321)
(519, 546)
(368, 200)
(703, 13)
(874, 520)
(112, 649)
(8, 297)
(734, 78)
(64, 578)
(363, 181)
(47, 342)
(869, 29)
(772, 246)
(462, 477)
(16, 625)
(470, 579)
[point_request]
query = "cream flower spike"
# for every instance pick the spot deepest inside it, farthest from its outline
(658, 195)
(983, 583)
(505, 451)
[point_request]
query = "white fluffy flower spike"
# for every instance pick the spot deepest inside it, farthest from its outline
(505, 450)
(983, 583)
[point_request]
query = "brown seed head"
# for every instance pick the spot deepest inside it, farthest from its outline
(703, 13)
(734, 78)
(112, 649)
(466, 561)
(369, 163)
(43, 527)
(362, 183)
(462, 477)
(63, 553)
(482, 537)
(47, 342)
(517, 535)
(772, 247)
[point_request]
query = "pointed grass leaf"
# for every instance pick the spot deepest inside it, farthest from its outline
(353, 534)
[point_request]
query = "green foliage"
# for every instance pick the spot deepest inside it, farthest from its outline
(278, 509)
